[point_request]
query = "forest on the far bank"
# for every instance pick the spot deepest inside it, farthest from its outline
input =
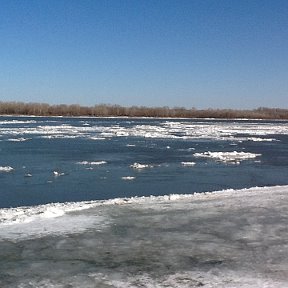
(106, 110)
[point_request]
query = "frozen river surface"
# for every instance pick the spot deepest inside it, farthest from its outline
(232, 238)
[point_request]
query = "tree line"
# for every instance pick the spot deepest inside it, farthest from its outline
(106, 110)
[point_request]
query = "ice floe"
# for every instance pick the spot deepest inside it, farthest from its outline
(162, 129)
(13, 121)
(6, 169)
(257, 139)
(233, 156)
(18, 139)
(97, 138)
(57, 173)
(92, 162)
(140, 166)
(188, 163)
(128, 178)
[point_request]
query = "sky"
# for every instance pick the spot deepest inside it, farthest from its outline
(177, 53)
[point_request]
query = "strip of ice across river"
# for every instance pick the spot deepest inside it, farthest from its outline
(230, 238)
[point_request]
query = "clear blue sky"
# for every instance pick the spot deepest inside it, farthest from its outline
(194, 53)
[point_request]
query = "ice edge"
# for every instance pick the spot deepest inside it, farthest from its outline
(26, 214)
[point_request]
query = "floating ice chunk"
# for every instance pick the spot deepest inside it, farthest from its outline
(121, 133)
(6, 169)
(92, 163)
(140, 166)
(60, 136)
(97, 138)
(97, 162)
(188, 163)
(17, 122)
(257, 139)
(84, 163)
(57, 174)
(18, 139)
(228, 156)
(129, 178)
(107, 134)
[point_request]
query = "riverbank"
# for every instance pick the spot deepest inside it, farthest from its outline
(232, 238)
(105, 110)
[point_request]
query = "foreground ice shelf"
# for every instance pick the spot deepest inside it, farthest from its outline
(233, 238)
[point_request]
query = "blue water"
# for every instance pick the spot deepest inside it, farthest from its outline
(35, 147)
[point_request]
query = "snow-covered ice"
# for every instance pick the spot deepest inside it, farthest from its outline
(230, 238)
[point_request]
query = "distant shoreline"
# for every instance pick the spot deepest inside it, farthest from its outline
(142, 117)
(106, 110)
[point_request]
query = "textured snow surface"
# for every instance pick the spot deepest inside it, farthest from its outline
(230, 238)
